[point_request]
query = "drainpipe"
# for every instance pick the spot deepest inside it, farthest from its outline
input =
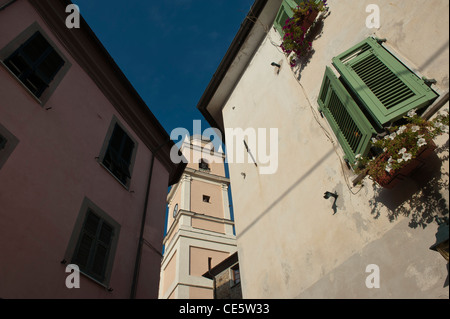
(7, 4)
(137, 264)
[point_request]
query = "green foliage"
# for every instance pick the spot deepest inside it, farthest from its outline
(295, 29)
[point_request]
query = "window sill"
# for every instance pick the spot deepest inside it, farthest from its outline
(95, 280)
(118, 180)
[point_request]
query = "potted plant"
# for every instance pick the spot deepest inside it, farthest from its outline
(296, 28)
(403, 149)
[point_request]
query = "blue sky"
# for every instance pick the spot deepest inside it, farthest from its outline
(169, 50)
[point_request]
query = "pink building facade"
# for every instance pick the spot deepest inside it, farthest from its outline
(84, 164)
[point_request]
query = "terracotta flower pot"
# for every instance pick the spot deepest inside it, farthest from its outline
(309, 19)
(390, 180)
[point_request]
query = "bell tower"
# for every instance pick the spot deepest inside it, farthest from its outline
(199, 226)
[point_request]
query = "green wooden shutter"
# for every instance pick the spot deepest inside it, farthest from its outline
(283, 14)
(346, 119)
(385, 87)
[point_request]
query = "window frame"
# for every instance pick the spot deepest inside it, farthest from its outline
(20, 40)
(9, 144)
(233, 270)
(105, 147)
(86, 207)
(203, 165)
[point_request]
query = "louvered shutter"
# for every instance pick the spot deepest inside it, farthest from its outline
(92, 251)
(384, 86)
(346, 119)
(102, 250)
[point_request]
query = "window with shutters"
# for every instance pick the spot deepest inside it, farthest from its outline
(93, 242)
(94, 245)
(374, 91)
(119, 153)
(35, 61)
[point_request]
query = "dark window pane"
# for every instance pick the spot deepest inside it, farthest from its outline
(118, 155)
(36, 47)
(127, 150)
(2, 142)
(35, 84)
(116, 138)
(50, 66)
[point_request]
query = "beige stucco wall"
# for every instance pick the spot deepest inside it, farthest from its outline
(199, 259)
(290, 242)
(214, 190)
(169, 272)
(200, 293)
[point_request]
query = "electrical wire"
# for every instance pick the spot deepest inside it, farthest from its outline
(324, 130)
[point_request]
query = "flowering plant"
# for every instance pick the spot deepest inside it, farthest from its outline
(295, 29)
(403, 144)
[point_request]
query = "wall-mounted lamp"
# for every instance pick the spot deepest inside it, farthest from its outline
(328, 195)
(335, 196)
(441, 244)
(275, 64)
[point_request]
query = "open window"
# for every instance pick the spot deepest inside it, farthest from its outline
(204, 165)
(35, 61)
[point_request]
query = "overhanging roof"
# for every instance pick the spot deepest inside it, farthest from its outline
(223, 265)
(238, 56)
